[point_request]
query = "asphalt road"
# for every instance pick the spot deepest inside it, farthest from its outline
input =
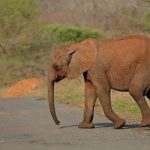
(25, 124)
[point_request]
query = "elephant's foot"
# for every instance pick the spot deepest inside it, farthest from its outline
(145, 122)
(86, 125)
(119, 123)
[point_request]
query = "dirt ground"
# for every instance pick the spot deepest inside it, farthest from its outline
(23, 87)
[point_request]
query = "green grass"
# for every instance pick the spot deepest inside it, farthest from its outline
(122, 106)
(70, 91)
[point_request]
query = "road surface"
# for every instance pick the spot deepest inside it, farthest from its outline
(25, 124)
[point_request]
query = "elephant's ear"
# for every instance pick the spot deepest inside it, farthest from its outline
(82, 59)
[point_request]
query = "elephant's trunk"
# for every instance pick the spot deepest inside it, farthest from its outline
(51, 99)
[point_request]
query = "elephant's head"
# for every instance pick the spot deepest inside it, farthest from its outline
(69, 62)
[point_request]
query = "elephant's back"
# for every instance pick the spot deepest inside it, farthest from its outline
(121, 58)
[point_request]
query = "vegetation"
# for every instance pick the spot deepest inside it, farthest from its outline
(64, 33)
(142, 24)
(18, 21)
(16, 15)
(147, 22)
(26, 43)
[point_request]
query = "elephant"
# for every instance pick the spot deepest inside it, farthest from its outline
(121, 64)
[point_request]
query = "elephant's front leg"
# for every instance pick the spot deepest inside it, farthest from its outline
(90, 98)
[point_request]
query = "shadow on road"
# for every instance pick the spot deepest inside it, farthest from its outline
(101, 125)
(104, 125)
(68, 126)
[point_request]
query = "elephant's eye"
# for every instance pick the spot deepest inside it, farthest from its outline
(56, 67)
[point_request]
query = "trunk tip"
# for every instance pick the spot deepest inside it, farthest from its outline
(57, 122)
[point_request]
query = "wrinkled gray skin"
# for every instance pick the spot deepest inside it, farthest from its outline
(122, 64)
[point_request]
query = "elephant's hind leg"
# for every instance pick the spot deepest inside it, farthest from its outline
(136, 91)
(102, 87)
(104, 97)
(90, 98)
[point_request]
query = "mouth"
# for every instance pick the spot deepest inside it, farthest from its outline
(59, 78)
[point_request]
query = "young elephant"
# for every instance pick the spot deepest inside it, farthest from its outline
(121, 64)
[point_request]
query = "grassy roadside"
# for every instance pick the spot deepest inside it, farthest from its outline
(72, 92)
(122, 103)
